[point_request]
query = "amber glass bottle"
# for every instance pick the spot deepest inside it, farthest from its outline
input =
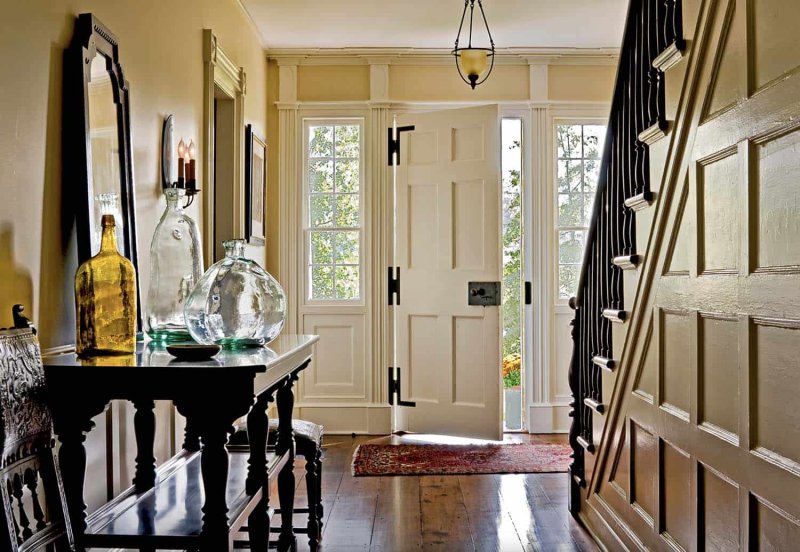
(105, 300)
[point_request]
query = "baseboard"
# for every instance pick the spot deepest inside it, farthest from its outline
(362, 419)
(548, 418)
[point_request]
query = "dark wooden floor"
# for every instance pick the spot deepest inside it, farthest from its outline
(454, 513)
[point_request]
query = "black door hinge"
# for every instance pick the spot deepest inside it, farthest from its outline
(394, 285)
(394, 143)
(528, 294)
(394, 389)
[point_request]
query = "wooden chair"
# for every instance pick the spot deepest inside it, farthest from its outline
(308, 444)
(33, 511)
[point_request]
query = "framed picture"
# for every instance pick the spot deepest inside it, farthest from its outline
(255, 197)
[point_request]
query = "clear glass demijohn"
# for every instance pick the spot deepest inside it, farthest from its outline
(236, 303)
(176, 265)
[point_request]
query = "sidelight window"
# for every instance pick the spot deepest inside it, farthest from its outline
(333, 210)
(579, 148)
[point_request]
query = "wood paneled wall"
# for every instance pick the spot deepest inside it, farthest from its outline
(701, 449)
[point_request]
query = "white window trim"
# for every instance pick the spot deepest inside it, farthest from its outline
(305, 265)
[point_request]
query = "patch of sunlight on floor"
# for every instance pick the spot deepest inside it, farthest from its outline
(430, 439)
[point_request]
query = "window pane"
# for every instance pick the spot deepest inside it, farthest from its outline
(322, 282)
(588, 205)
(570, 210)
(347, 141)
(347, 175)
(593, 138)
(346, 247)
(320, 143)
(347, 211)
(570, 246)
(561, 176)
(591, 172)
(321, 248)
(346, 282)
(321, 210)
(568, 280)
(320, 175)
(568, 141)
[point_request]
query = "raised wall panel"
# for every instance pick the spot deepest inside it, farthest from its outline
(422, 224)
(679, 251)
(423, 148)
(468, 212)
(644, 471)
(676, 362)
(718, 504)
(467, 143)
(778, 196)
(468, 360)
(676, 493)
(719, 195)
(729, 61)
(338, 369)
(775, 390)
(423, 337)
(774, 43)
(620, 471)
(718, 371)
(771, 528)
(646, 379)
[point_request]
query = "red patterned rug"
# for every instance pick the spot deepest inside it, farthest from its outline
(460, 459)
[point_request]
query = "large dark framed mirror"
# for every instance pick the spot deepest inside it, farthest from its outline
(97, 140)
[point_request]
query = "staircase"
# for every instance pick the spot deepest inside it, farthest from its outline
(617, 241)
(686, 326)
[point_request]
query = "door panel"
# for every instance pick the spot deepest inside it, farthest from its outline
(447, 235)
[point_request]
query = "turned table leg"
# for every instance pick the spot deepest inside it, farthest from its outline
(257, 428)
(71, 424)
(144, 424)
(214, 467)
(286, 480)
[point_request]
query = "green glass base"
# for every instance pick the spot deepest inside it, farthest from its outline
(239, 343)
(170, 336)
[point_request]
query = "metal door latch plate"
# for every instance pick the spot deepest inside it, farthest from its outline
(483, 294)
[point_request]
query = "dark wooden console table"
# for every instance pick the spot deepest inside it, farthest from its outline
(163, 507)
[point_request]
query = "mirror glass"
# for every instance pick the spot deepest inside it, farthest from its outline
(105, 182)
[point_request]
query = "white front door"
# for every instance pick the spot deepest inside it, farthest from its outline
(447, 228)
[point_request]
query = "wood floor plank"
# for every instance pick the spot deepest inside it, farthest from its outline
(398, 518)
(490, 524)
(445, 522)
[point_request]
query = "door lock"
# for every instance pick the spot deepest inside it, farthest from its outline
(484, 294)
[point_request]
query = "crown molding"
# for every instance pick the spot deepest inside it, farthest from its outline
(251, 22)
(440, 56)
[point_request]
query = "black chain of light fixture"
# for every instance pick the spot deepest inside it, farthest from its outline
(456, 50)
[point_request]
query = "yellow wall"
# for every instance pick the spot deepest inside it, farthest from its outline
(331, 82)
(576, 83)
(442, 83)
(161, 54)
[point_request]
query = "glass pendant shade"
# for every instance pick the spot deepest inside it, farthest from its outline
(105, 300)
(176, 265)
(237, 303)
(473, 62)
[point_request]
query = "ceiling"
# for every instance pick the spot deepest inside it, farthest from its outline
(434, 23)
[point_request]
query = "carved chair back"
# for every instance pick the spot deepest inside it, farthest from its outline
(32, 506)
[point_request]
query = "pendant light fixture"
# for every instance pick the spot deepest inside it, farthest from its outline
(474, 64)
